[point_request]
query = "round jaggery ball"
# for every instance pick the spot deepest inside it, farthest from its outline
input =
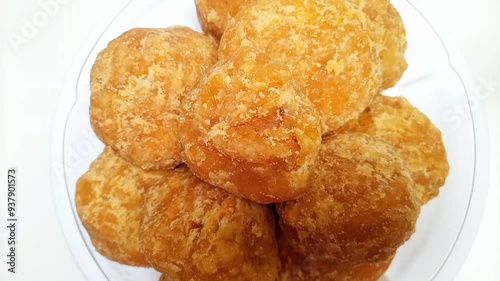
(325, 43)
(137, 84)
(214, 15)
(395, 121)
(194, 231)
(360, 207)
(109, 202)
(249, 129)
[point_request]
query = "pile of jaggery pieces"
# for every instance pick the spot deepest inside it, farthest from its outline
(262, 149)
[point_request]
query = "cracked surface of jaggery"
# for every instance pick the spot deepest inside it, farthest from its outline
(393, 47)
(296, 267)
(390, 34)
(249, 129)
(392, 43)
(194, 231)
(109, 200)
(325, 43)
(215, 14)
(360, 208)
(137, 84)
(419, 141)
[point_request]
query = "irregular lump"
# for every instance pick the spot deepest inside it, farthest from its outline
(360, 207)
(325, 43)
(109, 200)
(194, 231)
(249, 129)
(137, 84)
(420, 143)
(214, 15)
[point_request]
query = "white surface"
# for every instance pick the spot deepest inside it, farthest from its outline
(31, 80)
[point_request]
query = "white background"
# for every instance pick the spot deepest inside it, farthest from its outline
(32, 74)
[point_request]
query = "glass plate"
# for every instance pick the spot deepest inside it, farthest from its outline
(436, 82)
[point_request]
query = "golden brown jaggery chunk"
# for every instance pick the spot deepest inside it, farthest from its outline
(249, 129)
(325, 43)
(109, 201)
(194, 231)
(296, 267)
(214, 15)
(137, 83)
(396, 121)
(360, 207)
